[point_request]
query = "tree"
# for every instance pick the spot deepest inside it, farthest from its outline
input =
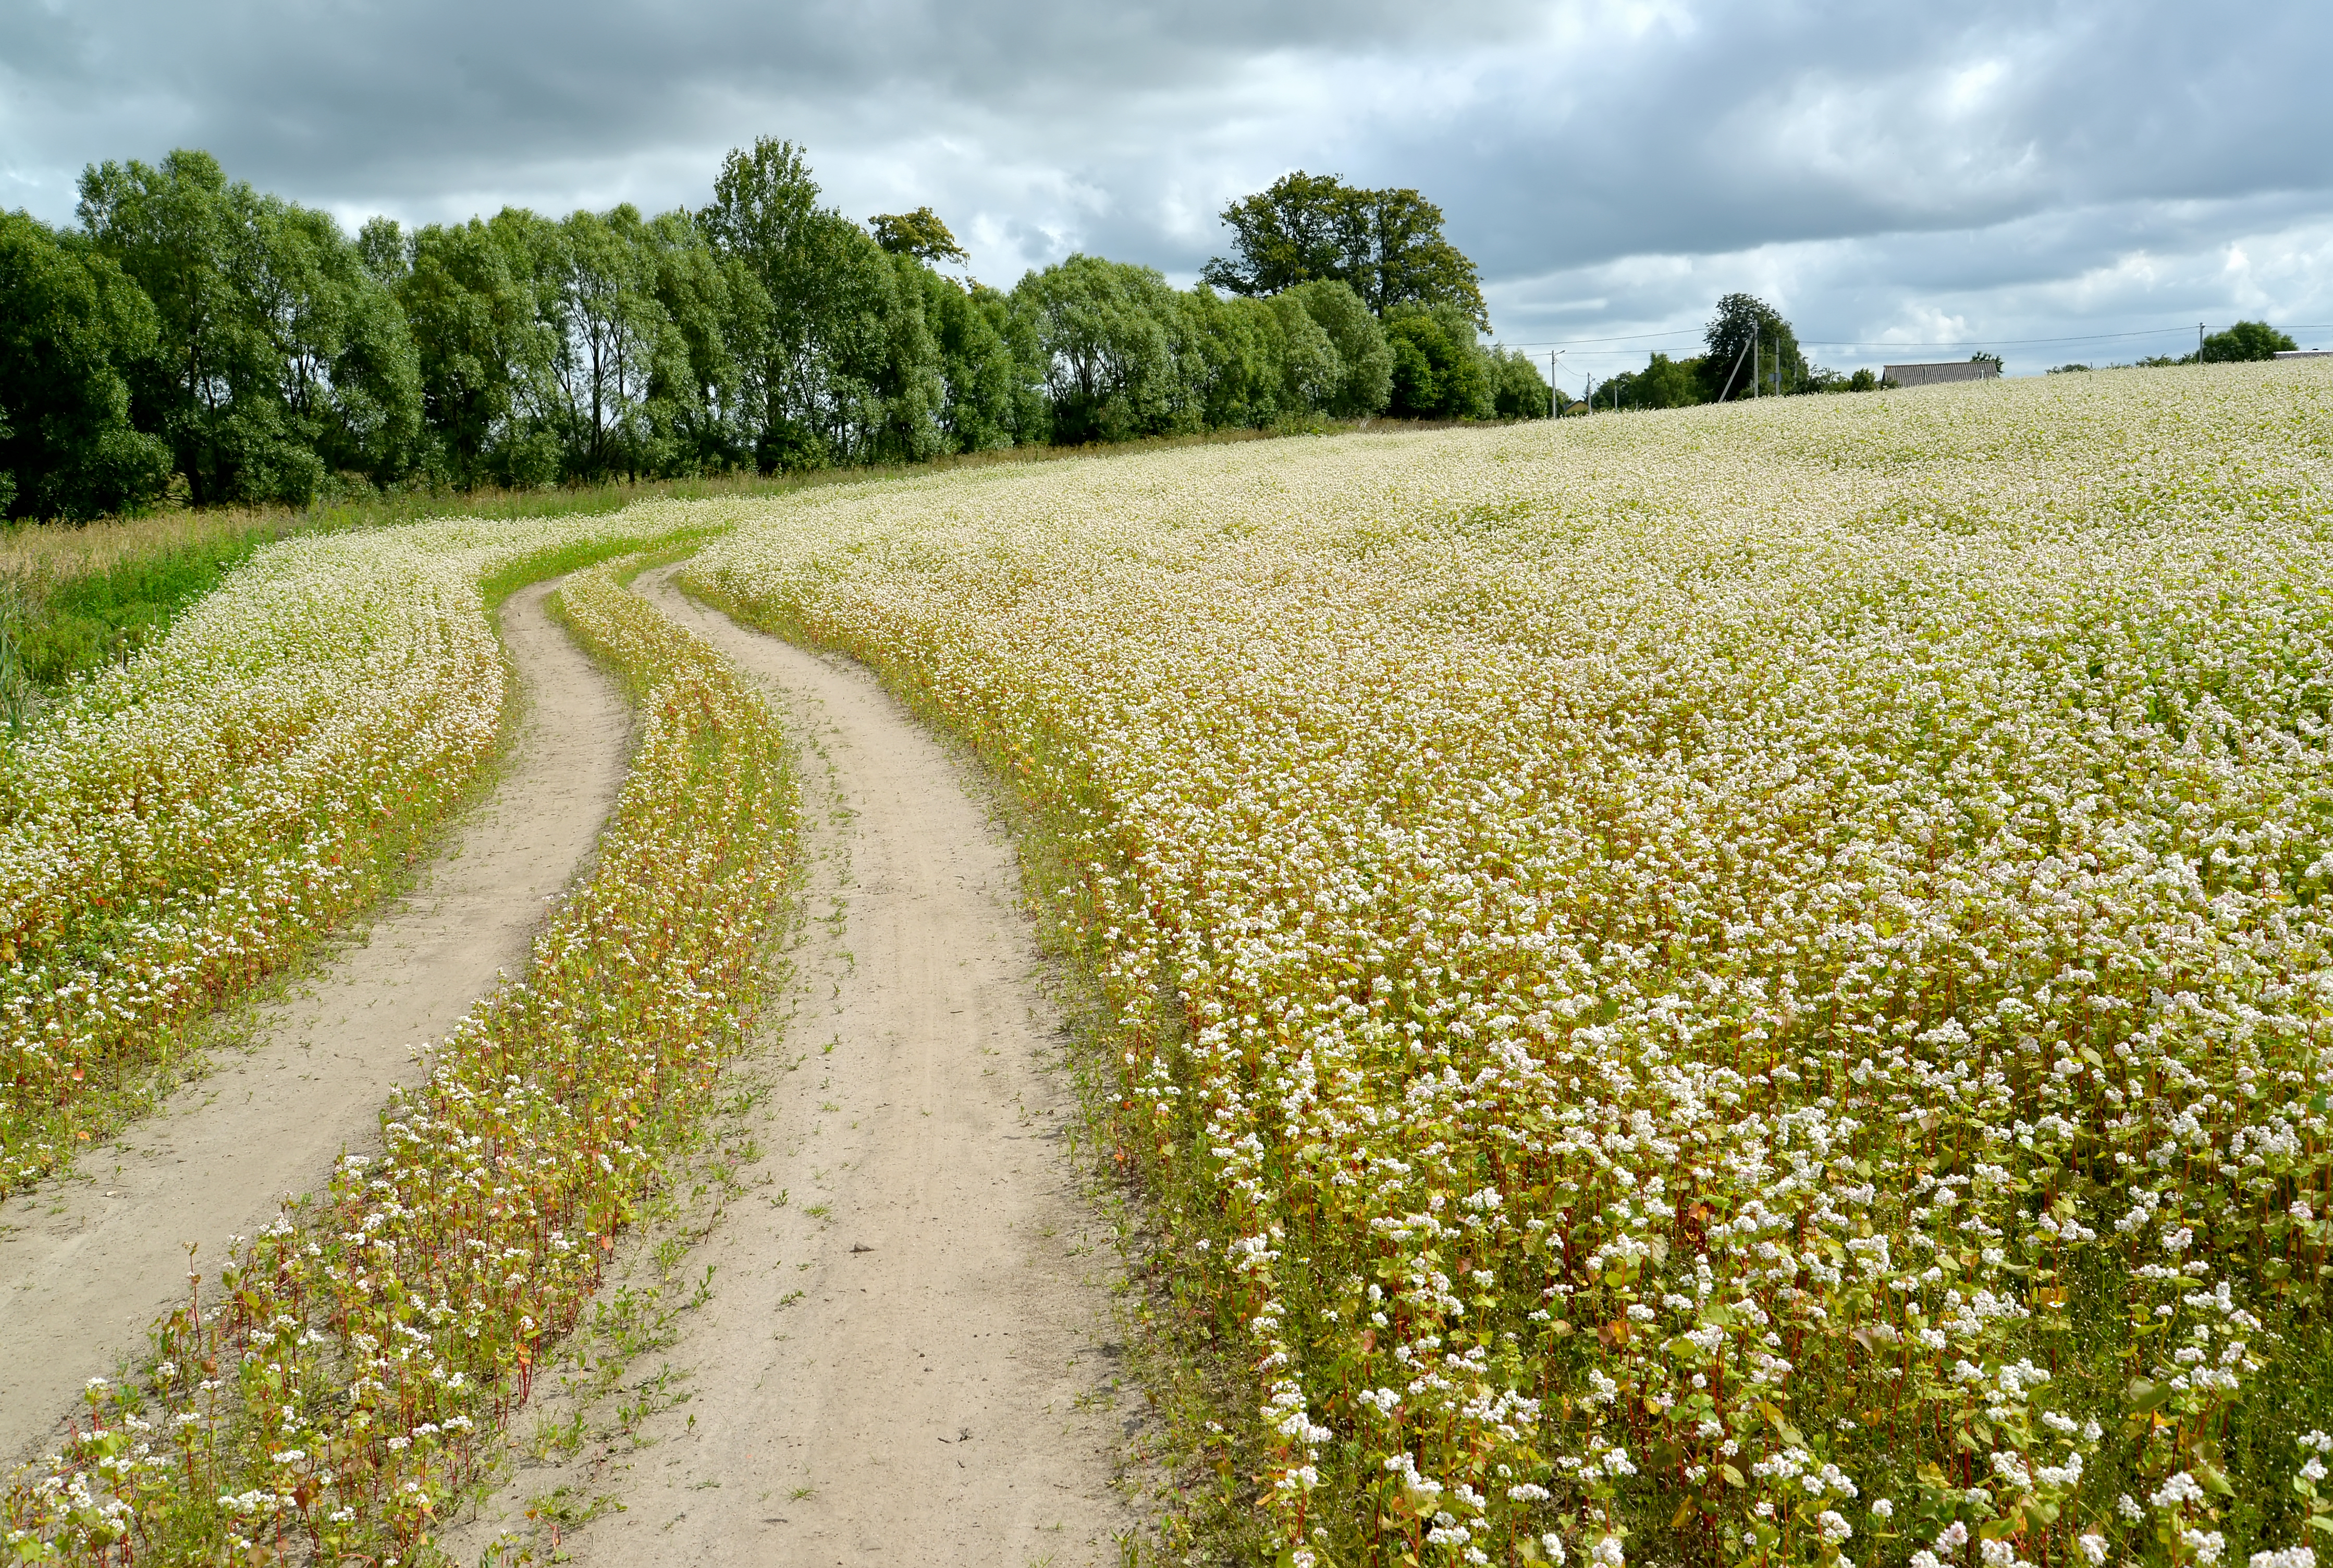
(1387, 245)
(1438, 372)
(1518, 391)
(1666, 383)
(68, 448)
(349, 382)
(1780, 367)
(920, 233)
(764, 215)
(989, 377)
(277, 353)
(699, 416)
(484, 351)
(1365, 382)
(1113, 337)
(2246, 341)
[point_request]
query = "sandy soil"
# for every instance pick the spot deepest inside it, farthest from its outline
(88, 1263)
(908, 1358)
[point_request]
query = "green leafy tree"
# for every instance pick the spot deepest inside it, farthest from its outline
(765, 216)
(1666, 383)
(1518, 391)
(2246, 341)
(350, 381)
(1365, 380)
(919, 234)
(180, 233)
(1740, 320)
(1387, 245)
(981, 378)
(280, 356)
(1233, 359)
(485, 353)
(68, 447)
(1438, 372)
(1113, 337)
(848, 369)
(699, 413)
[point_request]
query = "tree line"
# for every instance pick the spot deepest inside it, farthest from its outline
(192, 337)
(1749, 350)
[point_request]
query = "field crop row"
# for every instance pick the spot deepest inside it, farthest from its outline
(178, 826)
(351, 1368)
(1748, 985)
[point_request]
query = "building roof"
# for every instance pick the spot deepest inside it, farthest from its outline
(1949, 371)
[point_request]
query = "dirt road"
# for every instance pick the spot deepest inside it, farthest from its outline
(907, 1359)
(87, 1264)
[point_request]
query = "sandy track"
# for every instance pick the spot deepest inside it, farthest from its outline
(921, 1375)
(86, 1263)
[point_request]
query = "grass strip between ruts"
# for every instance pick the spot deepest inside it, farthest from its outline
(349, 1373)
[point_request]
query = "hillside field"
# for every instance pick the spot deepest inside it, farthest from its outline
(1736, 987)
(1742, 985)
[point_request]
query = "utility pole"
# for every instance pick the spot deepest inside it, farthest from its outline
(1757, 365)
(1552, 355)
(2199, 342)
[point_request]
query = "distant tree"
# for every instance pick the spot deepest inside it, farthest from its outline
(1666, 383)
(765, 216)
(1113, 336)
(68, 448)
(1365, 363)
(1518, 391)
(1305, 228)
(988, 374)
(484, 350)
(2065, 369)
(920, 233)
(1387, 245)
(279, 357)
(1438, 372)
(1741, 319)
(2246, 341)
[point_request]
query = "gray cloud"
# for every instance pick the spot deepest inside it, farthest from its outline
(1881, 171)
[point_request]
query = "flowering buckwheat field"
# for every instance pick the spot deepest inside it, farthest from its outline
(353, 1368)
(182, 824)
(1747, 986)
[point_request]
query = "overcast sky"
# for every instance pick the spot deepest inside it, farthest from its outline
(1885, 173)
